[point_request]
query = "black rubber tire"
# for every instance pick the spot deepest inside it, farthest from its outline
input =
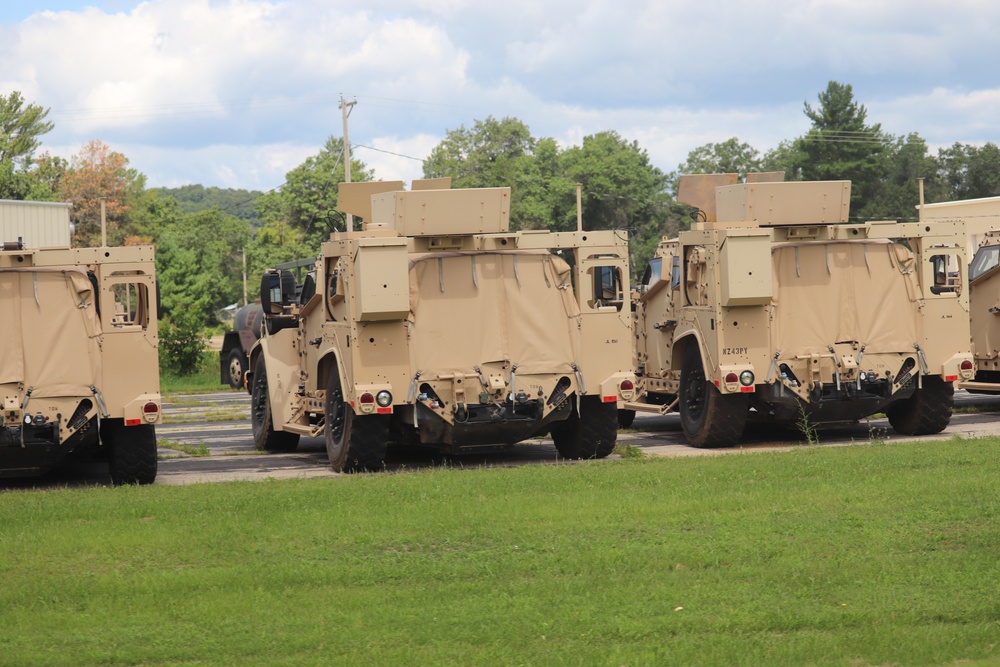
(131, 452)
(354, 443)
(590, 433)
(625, 418)
(237, 366)
(927, 411)
(708, 417)
(265, 438)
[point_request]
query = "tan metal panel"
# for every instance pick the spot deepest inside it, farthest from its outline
(795, 203)
(381, 287)
(698, 190)
(444, 212)
(980, 216)
(356, 198)
(745, 260)
(766, 177)
(443, 183)
(38, 224)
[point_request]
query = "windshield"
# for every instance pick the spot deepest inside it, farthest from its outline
(985, 260)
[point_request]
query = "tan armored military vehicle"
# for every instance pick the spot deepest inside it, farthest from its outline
(435, 326)
(775, 308)
(78, 365)
(984, 310)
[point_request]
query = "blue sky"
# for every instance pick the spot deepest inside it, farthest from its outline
(235, 93)
(15, 11)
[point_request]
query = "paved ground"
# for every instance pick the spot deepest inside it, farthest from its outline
(218, 423)
(233, 456)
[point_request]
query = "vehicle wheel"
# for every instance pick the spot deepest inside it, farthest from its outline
(625, 418)
(132, 452)
(354, 443)
(265, 438)
(237, 367)
(708, 417)
(927, 411)
(589, 433)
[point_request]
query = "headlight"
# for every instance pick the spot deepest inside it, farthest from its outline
(383, 398)
(746, 378)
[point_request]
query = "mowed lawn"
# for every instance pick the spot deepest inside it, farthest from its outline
(862, 555)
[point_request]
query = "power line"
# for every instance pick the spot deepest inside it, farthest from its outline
(381, 150)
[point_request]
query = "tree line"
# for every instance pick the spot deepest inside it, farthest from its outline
(202, 233)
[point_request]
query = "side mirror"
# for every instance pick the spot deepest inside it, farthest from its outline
(270, 293)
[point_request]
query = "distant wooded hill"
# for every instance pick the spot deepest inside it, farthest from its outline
(194, 198)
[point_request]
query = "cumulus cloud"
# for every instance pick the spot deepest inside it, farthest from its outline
(237, 92)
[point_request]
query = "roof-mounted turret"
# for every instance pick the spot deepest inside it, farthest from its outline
(765, 200)
(431, 208)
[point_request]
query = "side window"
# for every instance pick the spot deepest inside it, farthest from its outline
(607, 287)
(696, 276)
(335, 292)
(946, 274)
(675, 272)
(653, 271)
(131, 304)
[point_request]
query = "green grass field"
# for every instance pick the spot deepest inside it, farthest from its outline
(206, 379)
(863, 555)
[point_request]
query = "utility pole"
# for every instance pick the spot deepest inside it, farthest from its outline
(345, 111)
(104, 223)
(244, 251)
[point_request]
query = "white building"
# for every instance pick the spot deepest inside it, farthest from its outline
(38, 224)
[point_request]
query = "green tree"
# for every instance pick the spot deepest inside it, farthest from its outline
(182, 342)
(498, 153)
(22, 185)
(969, 172)
(97, 174)
(896, 194)
(199, 264)
(20, 128)
(49, 170)
(727, 157)
(621, 190)
(786, 157)
(841, 145)
(621, 187)
(275, 243)
(308, 199)
(194, 198)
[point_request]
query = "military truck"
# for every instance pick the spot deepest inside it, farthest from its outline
(984, 313)
(79, 371)
(435, 326)
(775, 308)
(236, 344)
(247, 320)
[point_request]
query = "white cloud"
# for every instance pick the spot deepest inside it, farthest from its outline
(238, 92)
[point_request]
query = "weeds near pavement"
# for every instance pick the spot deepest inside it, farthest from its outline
(627, 451)
(805, 427)
(190, 450)
(217, 415)
(876, 434)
